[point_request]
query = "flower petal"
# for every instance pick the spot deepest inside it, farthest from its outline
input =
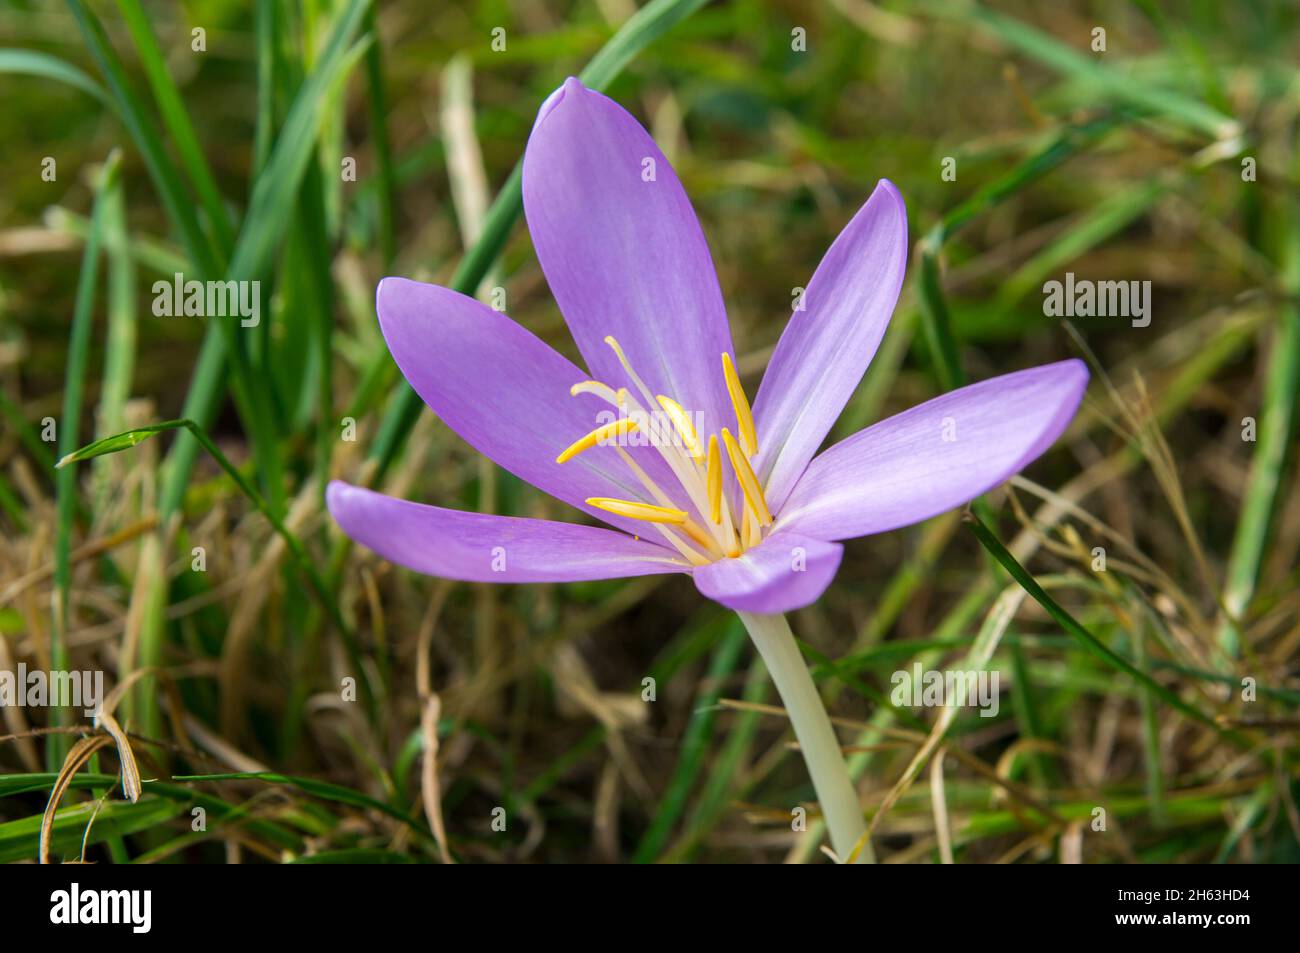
(506, 392)
(935, 456)
(623, 251)
(784, 572)
(479, 547)
(827, 345)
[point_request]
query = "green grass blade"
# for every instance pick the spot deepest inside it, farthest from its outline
(1155, 776)
(642, 29)
(269, 78)
(318, 284)
(936, 321)
(19, 839)
(1095, 72)
(1064, 145)
(201, 403)
(121, 441)
(136, 117)
(219, 811)
(267, 217)
(377, 100)
(66, 485)
(1107, 218)
(31, 440)
(1073, 628)
(694, 745)
(176, 121)
(120, 343)
(1251, 810)
(1277, 420)
(321, 789)
(299, 555)
(45, 66)
(354, 855)
(276, 188)
(150, 254)
(719, 785)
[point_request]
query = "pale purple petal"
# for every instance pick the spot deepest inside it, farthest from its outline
(827, 345)
(505, 392)
(936, 456)
(784, 572)
(479, 547)
(625, 256)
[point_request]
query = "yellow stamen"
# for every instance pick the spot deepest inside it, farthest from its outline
(618, 428)
(603, 391)
(749, 484)
(684, 459)
(744, 418)
(713, 477)
(750, 532)
(684, 427)
(678, 461)
(704, 539)
(660, 497)
(638, 511)
(719, 512)
(691, 555)
(627, 367)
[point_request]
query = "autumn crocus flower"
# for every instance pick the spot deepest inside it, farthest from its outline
(739, 499)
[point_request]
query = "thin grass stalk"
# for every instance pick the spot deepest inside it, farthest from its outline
(259, 235)
(1155, 778)
(180, 130)
(1277, 418)
(694, 745)
(66, 483)
(1081, 634)
(1093, 73)
(377, 101)
(120, 341)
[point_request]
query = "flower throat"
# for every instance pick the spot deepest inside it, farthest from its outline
(703, 529)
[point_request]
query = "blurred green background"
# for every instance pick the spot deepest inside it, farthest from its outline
(295, 686)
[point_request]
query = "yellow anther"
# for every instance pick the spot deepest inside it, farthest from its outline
(749, 484)
(603, 391)
(744, 418)
(691, 528)
(638, 511)
(713, 478)
(601, 434)
(685, 428)
(618, 348)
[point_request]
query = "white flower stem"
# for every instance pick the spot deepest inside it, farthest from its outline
(821, 748)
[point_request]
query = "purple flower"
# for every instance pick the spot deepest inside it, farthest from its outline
(659, 440)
